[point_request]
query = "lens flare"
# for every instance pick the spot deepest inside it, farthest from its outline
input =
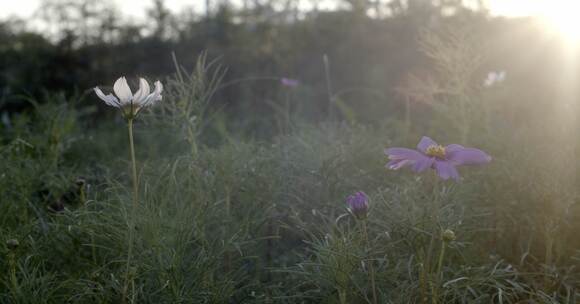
(563, 17)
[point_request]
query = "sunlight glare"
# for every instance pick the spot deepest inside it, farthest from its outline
(563, 16)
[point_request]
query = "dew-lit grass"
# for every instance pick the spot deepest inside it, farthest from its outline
(235, 219)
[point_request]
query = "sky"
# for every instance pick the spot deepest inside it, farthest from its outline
(26, 8)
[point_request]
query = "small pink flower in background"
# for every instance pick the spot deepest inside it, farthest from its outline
(429, 154)
(289, 82)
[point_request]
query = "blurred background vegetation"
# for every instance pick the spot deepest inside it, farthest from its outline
(373, 49)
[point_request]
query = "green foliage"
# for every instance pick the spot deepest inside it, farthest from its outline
(231, 211)
(257, 222)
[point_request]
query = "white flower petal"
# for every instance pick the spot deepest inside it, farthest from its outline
(157, 92)
(123, 91)
(141, 95)
(155, 96)
(108, 99)
(151, 98)
(158, 88)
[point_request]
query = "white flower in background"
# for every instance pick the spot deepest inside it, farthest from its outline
(494, 78)
(130, 104)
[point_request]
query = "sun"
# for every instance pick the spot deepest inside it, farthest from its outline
(563, 17)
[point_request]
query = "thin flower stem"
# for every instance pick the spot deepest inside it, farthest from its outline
(465, 118)
(441, 256)
(438, 274)
(134, 165)
(436, 231)
(423, 281)
(13, 278)
(548, 260)
(227, 257)
(94, 249)
(407, 117)
(328, 87)
(429, 268)
(133, 210)
(342, 296)
(433, 215)
(287, 113)
(371, 266)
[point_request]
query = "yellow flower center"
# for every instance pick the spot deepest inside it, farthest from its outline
(436, 150)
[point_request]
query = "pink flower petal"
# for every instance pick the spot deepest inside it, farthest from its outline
(467, 156)
(403, 153)
(398, 164)
(446, 170)
(425, 143)
(423, 164)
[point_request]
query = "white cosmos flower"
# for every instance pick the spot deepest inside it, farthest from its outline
(131, 104)
(494, 78)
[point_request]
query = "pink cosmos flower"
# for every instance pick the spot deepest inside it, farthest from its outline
(432, 155)
(289, 82)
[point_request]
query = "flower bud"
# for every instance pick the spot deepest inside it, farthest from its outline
(12, 244)
(448, 236)
(80, 182)
(358, 205)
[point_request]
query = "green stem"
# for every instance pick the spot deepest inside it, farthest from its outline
(328, 88)
(371, 266)
(227, 257)
(438, 274)
(434, 222)
(192, 138)
(133, 210)
(94, 249)
(433, 294)
(436, 233)
(441, 256)
(549, 254)
(342, 296)
(83, 195)
(465, 118)
(487, 112)
(429, 267)
(407, 118)
(134, 165)
(13, 278)
(287, 113)
(423, 281)
(435, 228)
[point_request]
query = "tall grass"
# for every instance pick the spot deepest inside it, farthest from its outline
(247, 221)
